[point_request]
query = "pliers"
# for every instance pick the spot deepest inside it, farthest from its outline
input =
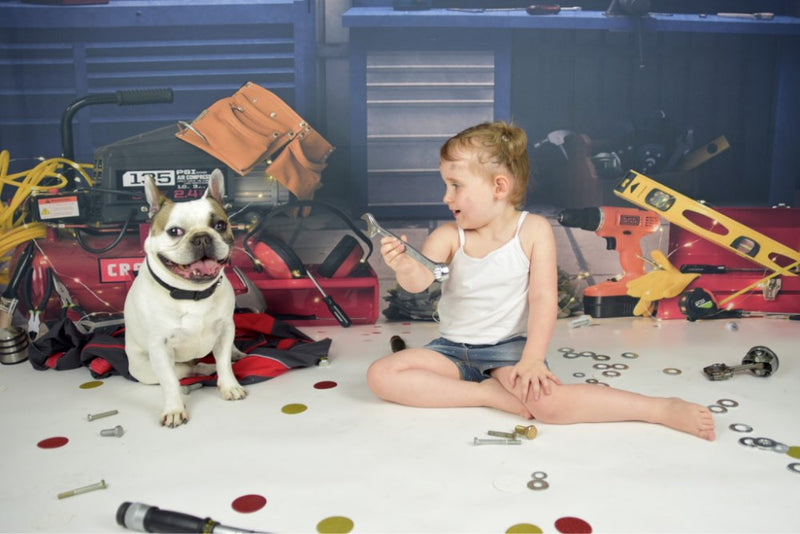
(66, 301)
(35, 311)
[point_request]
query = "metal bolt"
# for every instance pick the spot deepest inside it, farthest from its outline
(92, 417)
(529, 431)
(479, 441)
(498, 434)
(85, 489)
(187, 390)
(116, 432)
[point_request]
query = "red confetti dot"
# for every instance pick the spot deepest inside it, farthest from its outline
(53, 443)
(573, 525)
(247, 504)
(325, 384)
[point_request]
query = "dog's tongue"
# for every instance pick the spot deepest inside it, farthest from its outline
(206, 267)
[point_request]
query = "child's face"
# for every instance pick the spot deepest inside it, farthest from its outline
(468, 194)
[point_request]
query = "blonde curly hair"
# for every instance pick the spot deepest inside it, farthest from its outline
(495, 148)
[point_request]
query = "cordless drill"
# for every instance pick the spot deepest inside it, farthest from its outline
(623, 229)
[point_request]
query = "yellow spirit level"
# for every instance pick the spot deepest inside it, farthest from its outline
(707, 223)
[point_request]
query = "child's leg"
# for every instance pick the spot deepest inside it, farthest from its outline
(589, 403)
(425, 378)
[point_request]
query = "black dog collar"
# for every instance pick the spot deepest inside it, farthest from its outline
(183, 294)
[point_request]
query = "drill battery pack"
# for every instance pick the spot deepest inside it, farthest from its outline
(601, 307)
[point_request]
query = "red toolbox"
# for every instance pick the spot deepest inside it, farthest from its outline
(298, 301)
(99, 282)
(685, 248)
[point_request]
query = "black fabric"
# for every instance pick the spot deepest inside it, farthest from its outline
(271, 347)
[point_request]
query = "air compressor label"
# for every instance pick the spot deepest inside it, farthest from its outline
(162, 178)
(176, 184)
(118, 270)
(58, 207)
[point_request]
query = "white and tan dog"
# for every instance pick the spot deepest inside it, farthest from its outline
(180, 306)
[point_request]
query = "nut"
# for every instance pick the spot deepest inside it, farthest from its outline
(529, 432)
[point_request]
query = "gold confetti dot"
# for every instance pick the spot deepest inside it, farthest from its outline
(335, 525)
(294, 408)
(523, 528)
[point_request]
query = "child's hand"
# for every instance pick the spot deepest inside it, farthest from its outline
(393, 252)
(532, 378)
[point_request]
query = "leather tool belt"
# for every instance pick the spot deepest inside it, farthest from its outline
(255, 125)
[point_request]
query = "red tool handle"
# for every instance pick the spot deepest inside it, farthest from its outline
(543, 9)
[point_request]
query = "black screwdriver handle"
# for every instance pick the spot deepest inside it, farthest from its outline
(337, 311)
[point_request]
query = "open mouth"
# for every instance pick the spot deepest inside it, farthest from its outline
(202, 270)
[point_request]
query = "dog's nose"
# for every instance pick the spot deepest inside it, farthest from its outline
(201, 240)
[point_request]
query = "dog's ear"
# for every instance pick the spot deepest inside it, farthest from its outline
(216, 186)
(155, 198)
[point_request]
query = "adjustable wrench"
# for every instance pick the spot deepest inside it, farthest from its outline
(440, 270)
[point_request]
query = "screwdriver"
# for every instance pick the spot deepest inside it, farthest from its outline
(337, 312)
(702, 268)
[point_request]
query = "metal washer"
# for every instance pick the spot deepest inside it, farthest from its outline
(601, 357)
(716, 408)
(672, 371)
(764, 443)
(611, 373)
(539, 475)
(630, 355)
(794, 466)
(740, 427)
(538, 484)
(728, 403)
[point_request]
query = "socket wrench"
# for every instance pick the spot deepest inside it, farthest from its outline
(440, 270)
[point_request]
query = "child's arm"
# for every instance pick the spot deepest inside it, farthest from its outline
(412, 275)
(531, 376)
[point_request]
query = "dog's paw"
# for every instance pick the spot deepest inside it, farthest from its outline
(235, 392)
(174, 418)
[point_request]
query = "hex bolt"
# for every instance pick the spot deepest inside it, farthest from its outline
(498, 434)
(116, 432)
(85, 489)
(479, 441)
(187, 390)
(529, 432)
(92, 417)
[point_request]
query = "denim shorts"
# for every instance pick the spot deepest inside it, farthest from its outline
(475, 362)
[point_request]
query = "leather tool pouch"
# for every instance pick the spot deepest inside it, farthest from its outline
(251, 126)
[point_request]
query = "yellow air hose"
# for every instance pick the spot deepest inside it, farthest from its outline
(16, 227)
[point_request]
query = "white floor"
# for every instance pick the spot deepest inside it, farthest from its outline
(388, 468)
(396, 469)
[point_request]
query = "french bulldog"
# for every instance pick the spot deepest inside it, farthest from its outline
(180, 305)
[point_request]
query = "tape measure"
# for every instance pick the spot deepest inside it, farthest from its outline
(707, 223)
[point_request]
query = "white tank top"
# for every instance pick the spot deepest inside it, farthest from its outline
(485, 300)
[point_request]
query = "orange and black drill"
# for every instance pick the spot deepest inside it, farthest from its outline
(623, 230)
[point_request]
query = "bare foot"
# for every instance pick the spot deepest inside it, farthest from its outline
(499, 397)
(688, 417)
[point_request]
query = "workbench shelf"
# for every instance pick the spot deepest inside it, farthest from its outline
(718, 75)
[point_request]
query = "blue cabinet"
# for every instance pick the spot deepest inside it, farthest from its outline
(203, 50)
(579, 70)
